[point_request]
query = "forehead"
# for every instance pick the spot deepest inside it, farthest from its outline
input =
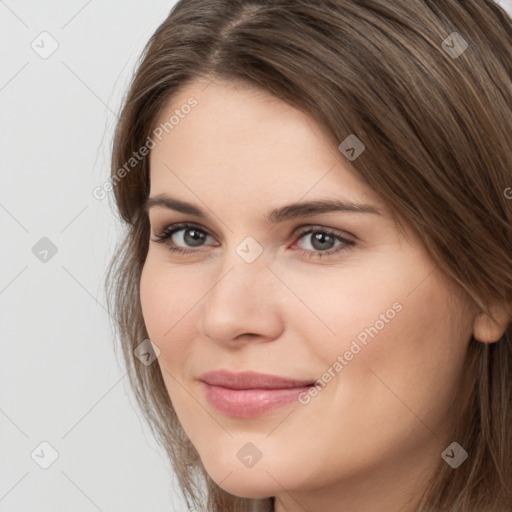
(239, 142)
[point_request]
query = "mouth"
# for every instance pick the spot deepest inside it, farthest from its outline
(250, 394)
(251, 380)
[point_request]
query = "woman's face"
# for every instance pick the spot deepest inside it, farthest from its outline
(336, 296)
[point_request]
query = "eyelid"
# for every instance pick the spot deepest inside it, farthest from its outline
(346, 235)
(298, 233)
(299, 230)
(171, 229)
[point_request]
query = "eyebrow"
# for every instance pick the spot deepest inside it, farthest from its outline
(281, 214)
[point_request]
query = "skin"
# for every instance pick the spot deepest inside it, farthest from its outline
(371, 438)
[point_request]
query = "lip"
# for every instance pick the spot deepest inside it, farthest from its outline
(250, 394)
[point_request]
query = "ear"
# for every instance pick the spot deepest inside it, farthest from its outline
(490, 330)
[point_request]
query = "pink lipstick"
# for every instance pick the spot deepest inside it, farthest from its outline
(250, 394)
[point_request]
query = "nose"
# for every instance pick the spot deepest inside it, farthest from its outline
(243, 304)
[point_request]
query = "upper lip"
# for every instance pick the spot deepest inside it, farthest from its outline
(251, 380)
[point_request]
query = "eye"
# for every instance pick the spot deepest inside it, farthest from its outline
(184, 237)
(178, 237)
(323, 242)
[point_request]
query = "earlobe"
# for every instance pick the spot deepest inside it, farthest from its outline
(490, 330)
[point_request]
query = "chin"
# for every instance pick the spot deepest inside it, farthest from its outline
(244, 482)
(249, 486)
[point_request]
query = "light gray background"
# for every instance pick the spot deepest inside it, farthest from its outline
(60, 380)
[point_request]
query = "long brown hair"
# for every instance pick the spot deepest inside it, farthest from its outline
(426, 84)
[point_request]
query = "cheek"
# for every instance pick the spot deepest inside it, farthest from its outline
(397, 333)
(168, 296)
(397, 386)
(165, 294)
(340, 308)
(167, 299)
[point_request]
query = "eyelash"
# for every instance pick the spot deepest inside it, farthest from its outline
(169, 231)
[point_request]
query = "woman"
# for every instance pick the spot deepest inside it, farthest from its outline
(319, 247)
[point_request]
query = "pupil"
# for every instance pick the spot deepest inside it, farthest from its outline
(193, 237)
(320, 239)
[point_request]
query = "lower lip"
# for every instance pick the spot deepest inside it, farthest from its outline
(249, 403)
